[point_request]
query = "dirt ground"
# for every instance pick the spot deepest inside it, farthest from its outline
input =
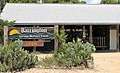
(104, 63)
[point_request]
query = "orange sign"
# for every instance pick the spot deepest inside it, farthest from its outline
(33, 43)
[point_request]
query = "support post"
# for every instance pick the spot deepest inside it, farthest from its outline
(5, 35)
(34, 48)
(90, 38)
(0, 5)
(118, 38)
(84, 34)
(63, 26)
(56, 40)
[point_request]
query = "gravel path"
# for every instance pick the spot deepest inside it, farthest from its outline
(104, 63)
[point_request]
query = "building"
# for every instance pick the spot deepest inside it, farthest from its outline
(99, 24)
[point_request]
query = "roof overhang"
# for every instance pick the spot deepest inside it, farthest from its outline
(61, 14)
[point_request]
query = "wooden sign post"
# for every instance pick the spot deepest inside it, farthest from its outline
(56, 40)
(5, 34)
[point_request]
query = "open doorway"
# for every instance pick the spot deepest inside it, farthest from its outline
(101, 37)
(76, 31)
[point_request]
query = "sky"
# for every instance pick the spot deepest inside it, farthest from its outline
(93, 1)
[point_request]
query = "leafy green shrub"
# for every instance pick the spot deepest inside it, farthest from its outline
(70, 54)
(13, 57)
(74, 54)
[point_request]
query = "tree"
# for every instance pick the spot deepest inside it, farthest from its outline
(16, 1)
(75, 1)
(47, 1)
(118, 1)
(64, 1)
(2, 24)
(83, 2)
(23, 1)
(44, 1)
(3, 4)
(109, 2)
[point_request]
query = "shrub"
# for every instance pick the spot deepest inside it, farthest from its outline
(13, 57)
(74, 54)
(70, 54)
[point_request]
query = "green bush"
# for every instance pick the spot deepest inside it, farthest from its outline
(14, 58)
(70, 54)
(74, 54)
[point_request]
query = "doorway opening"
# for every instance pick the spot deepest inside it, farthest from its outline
(101, 37)
(100, 34)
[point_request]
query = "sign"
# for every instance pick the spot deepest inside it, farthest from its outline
(36, 29)
(31, 36)
(33, 43)
(31, 32)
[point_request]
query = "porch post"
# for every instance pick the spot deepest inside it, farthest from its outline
(5, 35)
(56, 40)
(118, 38)
(84, 34)
(34, 48)
(90, 38)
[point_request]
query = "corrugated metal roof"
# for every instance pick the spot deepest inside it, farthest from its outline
(62, 13)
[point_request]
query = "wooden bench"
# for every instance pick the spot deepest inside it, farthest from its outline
(99, 42)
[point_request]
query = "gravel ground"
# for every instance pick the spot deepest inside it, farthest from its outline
(104, 63)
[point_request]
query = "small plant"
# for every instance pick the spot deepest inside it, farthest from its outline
(14, 58)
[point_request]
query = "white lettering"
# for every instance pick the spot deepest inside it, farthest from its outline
(33, 30)
(25, 30)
